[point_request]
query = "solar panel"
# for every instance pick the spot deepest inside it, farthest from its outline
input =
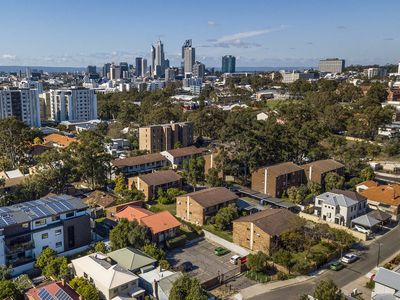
(66, 204)
(44, 295)
(8, 219)
(62, 295)
(4, 209)
(56, 207)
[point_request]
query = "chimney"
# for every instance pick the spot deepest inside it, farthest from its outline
(81, 297)
(63, 282)
(310, 172)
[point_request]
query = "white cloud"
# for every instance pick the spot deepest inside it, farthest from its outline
(247, 34)
(211, 23)
(9, 56)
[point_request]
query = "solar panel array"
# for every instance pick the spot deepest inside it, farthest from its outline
(44, 295)
(62, 295)
(37, 209)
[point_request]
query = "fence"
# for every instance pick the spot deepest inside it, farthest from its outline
(316, 219)
(222, 278)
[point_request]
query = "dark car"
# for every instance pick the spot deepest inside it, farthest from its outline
(185, 266)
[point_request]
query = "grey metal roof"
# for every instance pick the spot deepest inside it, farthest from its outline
(336, 199)
(388, 278)
(38, 209)
(366, 221)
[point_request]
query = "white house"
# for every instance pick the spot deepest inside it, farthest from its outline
(150, 281)
(109, 278)
(340, 207)
(387, 285)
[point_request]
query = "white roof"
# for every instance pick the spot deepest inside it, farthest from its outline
(388, 278)
(155, 275)
(100, 270)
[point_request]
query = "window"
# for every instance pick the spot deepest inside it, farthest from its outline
(58, 244)
(55, 218)
(45, 236)
(25, 225)
(69, 215)
(40, 222)
(58, 231)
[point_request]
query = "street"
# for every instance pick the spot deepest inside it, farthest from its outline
(389, 245)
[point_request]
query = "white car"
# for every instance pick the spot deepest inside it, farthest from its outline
(362, 229)
(349, 258)
(234, 259)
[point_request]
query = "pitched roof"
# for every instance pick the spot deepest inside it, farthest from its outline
(100, 269)
(368, 183)
(59, 139)
(54, 289)
(273, 221)
(138, 160)
(387, 194)
(131, 259)
(160, 222)
(101, 198)
(336, 199)
(366, 221)
(166, 283)
(212, 196)
(283, 168)
(133, 213)
(323, 166)
(379, 215)
(350, 194)
(388, 278)
(186, 151)
(160, 177)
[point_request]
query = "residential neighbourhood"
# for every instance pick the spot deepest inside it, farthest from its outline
(236, 158)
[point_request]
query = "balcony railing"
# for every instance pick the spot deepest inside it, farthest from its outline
(20, 247)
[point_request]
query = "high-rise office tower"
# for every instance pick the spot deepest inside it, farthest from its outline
(228, 64)
(74, 104)
(115, 72)
(199, 69)
(106, 70)
(22, 103)
(144, 67)
(169, 74)
(138, 66)
(124, 69)
(331, 65)
(158, 64)
(189, 56)
(91, 70)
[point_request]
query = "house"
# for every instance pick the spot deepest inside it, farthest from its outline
(57, 140)
(387, 284)
(177, 156)
(317, 170)
(260, 231)
(340, 207)
(151, 182)
(262, 116)
(132, 259)
(198, 206)
(385, 198)
(276, 179)
(99, 201)
(362, 186)
(60, 222)
(140, 164)
(12, 179)
(54, 290)
(111, 211)
(150, 281)
(163, 225)
(109, 278)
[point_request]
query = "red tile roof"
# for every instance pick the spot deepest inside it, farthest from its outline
(133, 213)
(61, 140)
(160, 222)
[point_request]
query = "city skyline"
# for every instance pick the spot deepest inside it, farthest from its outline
(260, 34)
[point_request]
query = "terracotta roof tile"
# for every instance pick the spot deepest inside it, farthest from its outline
(133, 213)
(59, 139)
(386, 194)
(160, 222)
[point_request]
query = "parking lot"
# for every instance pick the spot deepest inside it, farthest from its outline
(201, 254)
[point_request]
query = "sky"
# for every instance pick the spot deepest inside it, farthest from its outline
(260, 33)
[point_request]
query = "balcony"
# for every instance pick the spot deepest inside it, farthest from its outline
(19, 247)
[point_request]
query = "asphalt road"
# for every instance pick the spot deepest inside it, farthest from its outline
(389, 245)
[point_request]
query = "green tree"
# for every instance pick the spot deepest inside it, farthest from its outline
(257, 262)
(9, 289)
(367, 174)
(154, 252)
(327, 290)
(187, 288)
(213, 178)
(297, 195)
(333, 181)
(37, 141)
(225, 216)
(314, 188)
(56, 268)
(164, 264)
(100, 247)
(84, 288)
(129, 234)
(194, 170)
(44, 257)
(120, 185)
(169, 196)
(284, 258)
(5, 272)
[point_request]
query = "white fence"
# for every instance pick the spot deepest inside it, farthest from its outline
(228, 245)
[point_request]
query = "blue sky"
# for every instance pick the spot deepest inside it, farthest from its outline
(258, 32)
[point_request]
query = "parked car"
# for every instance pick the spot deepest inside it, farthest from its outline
(219, 251)
(349, 258)
(362, 229)
(336, 266)
(234, 259)
(185, 267)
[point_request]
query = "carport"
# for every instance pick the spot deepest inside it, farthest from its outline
(366, 221)
(381, 216)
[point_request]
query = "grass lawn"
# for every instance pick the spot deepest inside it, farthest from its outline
(190, 235)
(274, 103)
(226, 235)
(160, 207)
(99, 220)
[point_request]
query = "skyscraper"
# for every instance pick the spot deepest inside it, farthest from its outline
(91, 70)
(124, 69)
(106, 69)
(228, 64)
(331, 65)
(158, 64)
(188, 56)
(199, 69)
(138, 66)
(144, 67)
(115, 72)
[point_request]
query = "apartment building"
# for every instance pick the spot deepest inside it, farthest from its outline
(73, 104)
(317, 170)
(157, 138)
(340, 207)
(150, 183)
(332, 65)
(60, 222)
(274, 180)
(110, 279)
(177, 156)
(21, 103)
(198, 206)
(139, 164)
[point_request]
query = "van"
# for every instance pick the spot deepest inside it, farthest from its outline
(234, 259)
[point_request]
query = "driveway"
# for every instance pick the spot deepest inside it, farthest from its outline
(201, 254)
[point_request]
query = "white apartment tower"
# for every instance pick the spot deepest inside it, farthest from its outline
(75, 104)
(115, 72)
(22, 103)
